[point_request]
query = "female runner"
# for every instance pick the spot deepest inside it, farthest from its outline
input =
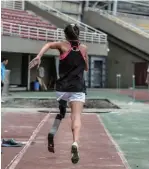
(70, 85)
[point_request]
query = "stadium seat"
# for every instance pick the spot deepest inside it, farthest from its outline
(23, 18)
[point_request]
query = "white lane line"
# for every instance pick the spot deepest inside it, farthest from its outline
(18, 157)
(119, 151)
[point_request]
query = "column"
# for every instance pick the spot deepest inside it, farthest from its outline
(109, 6)
(29, 74)
(23, 5)
(115, 7)
(87, 3)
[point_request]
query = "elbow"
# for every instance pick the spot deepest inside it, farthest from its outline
(48, 45)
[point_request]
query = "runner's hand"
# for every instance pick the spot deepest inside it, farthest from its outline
(35, 62)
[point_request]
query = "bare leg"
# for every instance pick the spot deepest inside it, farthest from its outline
(76, 110)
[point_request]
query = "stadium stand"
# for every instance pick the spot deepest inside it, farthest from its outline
(113, 25)
(129, 7)
(28, 25)
(55, 16)
(139, 21)
(120, 56)
(24, 18)
(134, 7)
(34, 30)
(19, 21)
(60, 19)
(128, 43)
(135, 13)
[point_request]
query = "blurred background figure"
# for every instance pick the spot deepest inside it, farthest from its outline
(4, 62)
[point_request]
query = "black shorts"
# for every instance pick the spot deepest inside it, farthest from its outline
(2, 84)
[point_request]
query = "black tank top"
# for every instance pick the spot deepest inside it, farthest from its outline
(71, 70)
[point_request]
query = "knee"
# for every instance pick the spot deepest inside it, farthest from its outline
(63, 103)
(59, 116)
(62, 107)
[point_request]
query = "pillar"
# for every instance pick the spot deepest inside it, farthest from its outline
(115, 7)
(29, 74)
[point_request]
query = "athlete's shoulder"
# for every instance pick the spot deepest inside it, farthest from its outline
(83, 46)
(63, 42)
(60, 42)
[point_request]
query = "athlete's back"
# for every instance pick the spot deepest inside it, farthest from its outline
(71, 69)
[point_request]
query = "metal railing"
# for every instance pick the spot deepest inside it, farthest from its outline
(122, 14)
(144, 3)
(132, 16)
(38, 33)
(67, 18)
(17, 5)
(119, 21)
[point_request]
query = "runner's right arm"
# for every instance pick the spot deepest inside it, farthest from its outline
(46, 47)
(51, 45)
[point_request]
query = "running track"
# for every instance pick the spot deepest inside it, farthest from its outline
(97, 148)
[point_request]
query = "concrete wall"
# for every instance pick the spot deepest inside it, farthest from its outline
(20, 45)
(59, 22)
(99, 49)
(117, 30)
(120, 61)
(14, 64)
(31, 47)
(65, 6)
(138, 21)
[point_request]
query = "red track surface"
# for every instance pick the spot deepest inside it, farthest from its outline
(96, 149)
(139, 94)
(19, 127)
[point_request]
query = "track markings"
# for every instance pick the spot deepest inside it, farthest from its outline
(18, 157)
(119, 151)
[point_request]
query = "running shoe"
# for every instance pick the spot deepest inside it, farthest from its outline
(75, 153)
(11, 143)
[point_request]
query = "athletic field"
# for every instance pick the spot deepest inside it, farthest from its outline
(111, 138)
